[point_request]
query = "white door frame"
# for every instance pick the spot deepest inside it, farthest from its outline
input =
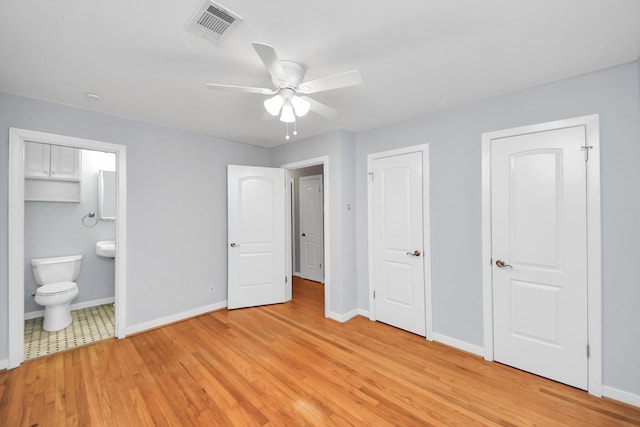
(17, 138)
(424, 149)
(324, 161)
(594, 242)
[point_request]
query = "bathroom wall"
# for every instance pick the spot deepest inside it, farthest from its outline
(295, 175)
(56, 229)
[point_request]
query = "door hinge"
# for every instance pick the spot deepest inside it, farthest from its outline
(286, 279)
(374, 294)
(588, 351)
(586, 149)
(320, 265)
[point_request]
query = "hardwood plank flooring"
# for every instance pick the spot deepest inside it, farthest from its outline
(287, 365)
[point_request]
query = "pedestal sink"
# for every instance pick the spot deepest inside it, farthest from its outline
(106, 248)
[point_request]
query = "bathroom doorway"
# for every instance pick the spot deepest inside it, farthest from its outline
(19, 264)
(66, 217)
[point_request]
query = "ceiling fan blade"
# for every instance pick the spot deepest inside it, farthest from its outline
(335, 81)
(320, 108)
(244, 89)
(270, 59)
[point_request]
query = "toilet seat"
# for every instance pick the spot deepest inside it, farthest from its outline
(58, 288)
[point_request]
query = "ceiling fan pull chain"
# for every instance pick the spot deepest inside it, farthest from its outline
(287, 137)
(295, 127)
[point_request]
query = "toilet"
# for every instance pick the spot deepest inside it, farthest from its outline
(56, 288)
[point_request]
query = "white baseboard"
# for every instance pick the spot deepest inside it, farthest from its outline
(175, 317)
(620, 395)
(4, 364)
(461, 345)
(78, 306)
(363, 313)
(343, 317)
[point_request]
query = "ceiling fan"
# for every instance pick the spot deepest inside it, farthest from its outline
(288, 100)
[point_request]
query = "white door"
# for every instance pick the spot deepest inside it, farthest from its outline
(539, 253)
(311, 233)
(397, 231)
(256, 234)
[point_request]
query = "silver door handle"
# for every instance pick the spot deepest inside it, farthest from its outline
(414, 253)
(500, 263)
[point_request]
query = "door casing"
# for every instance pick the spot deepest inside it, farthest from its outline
(17, 138)
(424, 149)
(594, 257)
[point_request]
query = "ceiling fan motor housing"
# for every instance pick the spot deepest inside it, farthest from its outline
(292, 76)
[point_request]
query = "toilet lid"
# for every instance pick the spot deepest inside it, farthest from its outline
(56, 288)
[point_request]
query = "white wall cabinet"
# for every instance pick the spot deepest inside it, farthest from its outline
(46, 161)
(52, 173)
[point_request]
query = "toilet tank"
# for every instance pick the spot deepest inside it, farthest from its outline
(56, 269)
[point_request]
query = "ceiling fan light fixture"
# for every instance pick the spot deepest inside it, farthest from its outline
(273, 105)
(300, 106)
(287, 115)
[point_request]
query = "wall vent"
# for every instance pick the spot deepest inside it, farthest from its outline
(212, 21)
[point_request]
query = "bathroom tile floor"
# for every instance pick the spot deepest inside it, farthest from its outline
(89, 325)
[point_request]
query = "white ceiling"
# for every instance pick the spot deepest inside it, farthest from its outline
(415, 56)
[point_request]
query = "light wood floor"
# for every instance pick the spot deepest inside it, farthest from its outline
(286, 365)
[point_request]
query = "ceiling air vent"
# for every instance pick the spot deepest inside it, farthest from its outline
(213, 21)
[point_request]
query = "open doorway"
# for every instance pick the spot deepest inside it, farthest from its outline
(310, 167)
(17, 140)
(307, 223)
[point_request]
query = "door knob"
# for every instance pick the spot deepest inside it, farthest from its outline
(303, 235)
(414, 253)
(500, 263)
(233, 245)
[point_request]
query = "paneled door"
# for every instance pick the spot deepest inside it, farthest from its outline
(256, 236)
(397, 251)
(539, 253)
(311, 224)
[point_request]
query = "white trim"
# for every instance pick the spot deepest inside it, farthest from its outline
(426, 219)
(364, 313)
(17, 138)
(163, 321)
(4, 364)
(324, 161)
(460, 345)
(342, 318)
(290, 227)
(621, 395)
(594, 243)
(78, 306)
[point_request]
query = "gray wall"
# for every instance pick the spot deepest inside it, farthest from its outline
(176, 205)
(296, 174)
(455, 148)
(56, 229)
(339, 147)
